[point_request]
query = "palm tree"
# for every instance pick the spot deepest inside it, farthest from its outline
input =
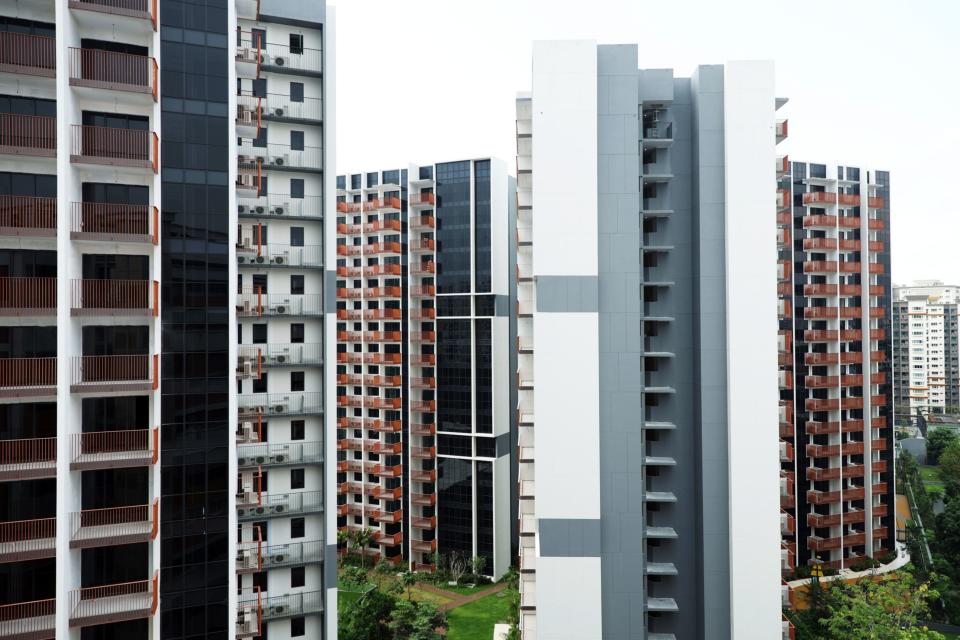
(343, 540)
(362, 539)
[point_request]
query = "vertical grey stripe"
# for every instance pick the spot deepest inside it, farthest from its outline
(330, 292)
(559, 294)
(330, 566)
(569, 538)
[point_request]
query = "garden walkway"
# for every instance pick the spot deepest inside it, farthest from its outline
(457, 599)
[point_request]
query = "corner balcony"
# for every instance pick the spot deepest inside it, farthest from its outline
(114, 449)
(34, 136)
(115, 147)
(302, 403)
(107, 374)
(140, 9)
(27, 377)
(27, 540)
(28, 620)
(257, 455)
(259, 256)
(27, 54)
(113, 71)
(114, 602)
(249, 55)
(28, 297)
(257, 305)
(115, 298)
(114, 526)
(281, 157)
(819, 198)
(282, 505)
(103, 222)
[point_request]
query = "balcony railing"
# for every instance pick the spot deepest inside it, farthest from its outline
(115, 449)
(114, 526)
(281, 156)
(115, 298)
(279, 255)
(28, 135)
(251, 405)
(28, 54)
(115, 373)
(27, 540)
(292, 554)
(28, 620)
(100, 69)
(250, 615)
(256, 455)
(27, 376)
(28, 216)
(115, 222)
(422, 199)
(281, 57)
(285, 606)
(145, 9)
(283, 504)
(28, 458)
(254, 305)
(279, 204)
(28, 296)
(115, 147)
(281, 355)
(114, 602)
(278, 106)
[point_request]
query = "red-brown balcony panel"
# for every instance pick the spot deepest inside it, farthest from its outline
(24, 135)
(875, 202)
(846, 357)
(114, 449)
(420, 429)
(114, 526)
(389, 539)
(423, 291)
(115, 147)
(425, 499)
(423, 405)
(423, 314)
(106, 297)
(28, 296)
(423, 383)
(423, 268)
(142, 9)
(819, 244)
(349, 336)
(783, 203)
(385, 471)
(424, 244)
(114, 373)
(34, 620)
(114, 602)
(819, 198)
(383, 292)
(383, 247)
(28, 540)
(423, 336)
(382, 314)
(22, 377)
(846, 449)
(112, 70)
(816, 428)
(382, 381)
(100, 221)
(388, 516)
(422, 222)
(349, 294)
(425, 199)
(384, 426)
(28, 458)
(820, 266)
(377, 402)
(382, 358)
(423, 453)
(383, 336)
(28, 54)
(419, 522)
(381, 225)
(424, 546)
(349, 314)
(423, 359)
(349, 249)
(28, 216)
(423, 475)
(386, 448)
(389, 269)
(819, 221)
(383, 493)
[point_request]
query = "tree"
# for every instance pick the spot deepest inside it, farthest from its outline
(458, 566)
(343, 540)
(361, 540)
(948, 532)
(411, 620)
(365, 618)
(354, 576)
(885, 610)
(477, 565)
(937, 442)
(949, 461)
(407, 580)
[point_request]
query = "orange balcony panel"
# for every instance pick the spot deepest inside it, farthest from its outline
(423, 336)
(424, 244)
(383, 292)
(350, 487)
(424, 546)
(423, 405)
(849, 222)
(848, 199)
(352, 358)
(423, 314)
(422, 199)
(423, 453)
(423, 475)
(377, 402)
(383, 247)
(819, 221)
(389, 540)
(382, 314)
(819, 244)
(383, 336)
(349, 336)
(384, 426)
(422, 222)
(783, 203)
(423, 291)
(390, 269)
(348, 229)
(349, 314)
(819, 198)
(420, 429)
(382, 358)
(423, 523)
(423, 268)
(423, 359)
(388, 516)
(384, 447)
(423, 383)
(426, 499)
(345, 293)
(385, 471)
(349, 207)
(382, 493)
(784, 288)
(820, 266)
(349, 249)
(349, 378)
(382, 381)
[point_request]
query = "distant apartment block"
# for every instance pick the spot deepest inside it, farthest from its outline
(646, 348)
(424, 345)
(836, 417)
(926, 351)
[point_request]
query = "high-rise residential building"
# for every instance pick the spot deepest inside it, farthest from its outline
(646, 348)
(133, 196)
(926, 351)
(424, 345)
(836, 411)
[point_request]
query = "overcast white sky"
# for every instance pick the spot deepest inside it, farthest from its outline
(871, 83)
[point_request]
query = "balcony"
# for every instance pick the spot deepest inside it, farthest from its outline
(280, 205)
(850, 493)
(27, 540)
(100, 221)
(114, 526)
(28, 217)
(113, 71)
(28, 620)
(256, 455)
(115, 298)
(278, 255)
(256, 305)
(422, 245)
(423, 523)
(282, 504)
(845, 449)
(281, 157)
(142, 9)
(24, 377)
(423, 499)
(280, 555)
(423, 336)
(114, 602)
(28, 135)
(423, 406)
(423, 291)
(819, 198)
(28, 54)
(266, 608)
(28, 459)
(423, 453)
(419, 200)
(26, 297)
(816, 543)
(283, 355)
(114, 449)
(115, 147)
(101, 374)
(252, 405)
(249, 184)
(423, 546)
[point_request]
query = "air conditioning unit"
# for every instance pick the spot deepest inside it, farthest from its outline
(280, 308)
(246, 430)
(278, 210)
(241, 259)
(247, 242)
(278, 259)
(259, 259)
(281, 160)
(279, 61)
(247, 623)
(280, 358)
(242, 208)
(247, 369)
(247, 181)
(245, 116)
(279, 508)
(278, 112)
(280, 408)
(260, 209)
(279, 458)
(278, 557)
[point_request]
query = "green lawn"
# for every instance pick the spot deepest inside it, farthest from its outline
(464, 590)
(475, 621)
(931, 479)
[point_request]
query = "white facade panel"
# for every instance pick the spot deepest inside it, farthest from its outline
(570, 586)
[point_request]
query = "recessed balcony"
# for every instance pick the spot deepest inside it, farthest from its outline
(258, 304)
(114, 71)
(252, 405)
(27, 54)
(115, 147)
(34, 620)
(259, 256)
(25, 216)
(421, 200)
(422, 222)
(22, 135)
(422, 245)
(280, 205)
(114, 602)
(423, 291)
(114, 298)
(283, 355)
(28, 459)
(27, 540)
(25, 377)
(104, 222)
(114, 526)
(281, 454)
(282, 505)
(141, 9)
(114, 449)
(281, 157)
(26, 297)
(100, 374)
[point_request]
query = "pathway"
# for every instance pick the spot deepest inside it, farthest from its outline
(458, 599)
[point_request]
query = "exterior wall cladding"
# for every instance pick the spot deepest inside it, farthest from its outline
(836, 404)
(648, 457)
(424, 343)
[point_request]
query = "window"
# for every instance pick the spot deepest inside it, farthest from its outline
(296, 479)
(298, 627)
(297, 429)
(296, 381)
(296, 140)
(296, 43)
(239, 283)
(259, 334)
(259, 87)
(259, 283)
(239, 333)
(296, 236)
(296, 333)
(296, 187)
(259, 37)
(296, 92)
(260, 384)
(298, 577)
(297, 527)
(296, 284)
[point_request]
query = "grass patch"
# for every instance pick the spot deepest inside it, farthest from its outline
(475, 621)
(931, 479)
(464, 590)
